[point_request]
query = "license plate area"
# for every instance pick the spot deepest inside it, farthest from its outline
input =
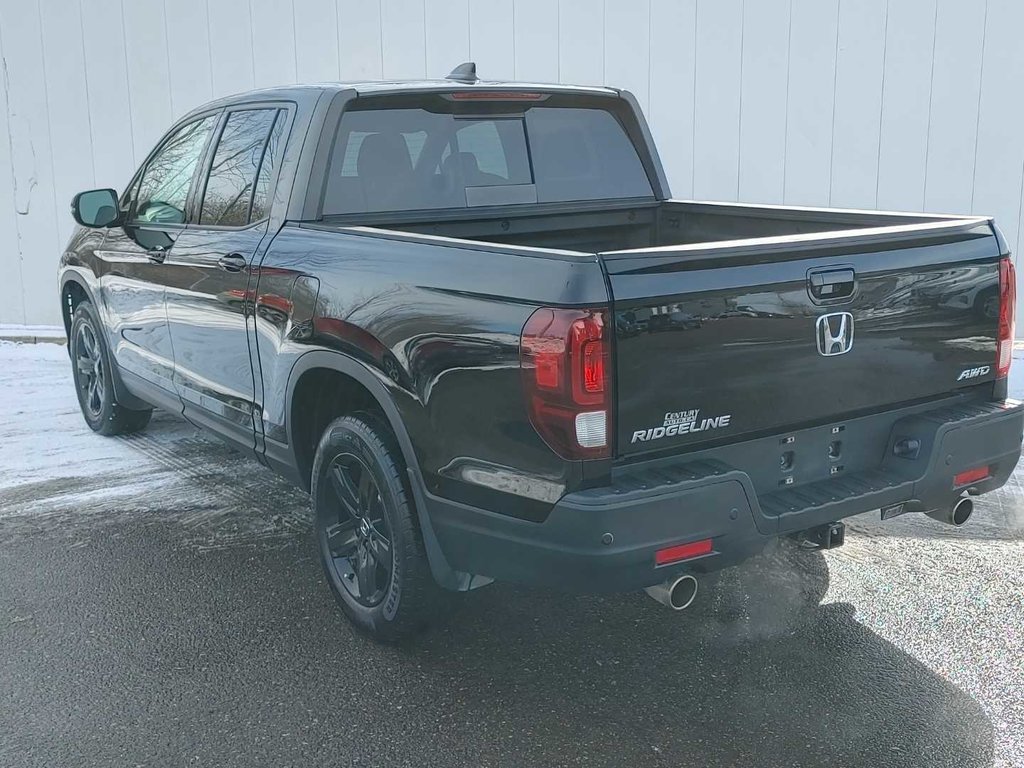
(820, 453)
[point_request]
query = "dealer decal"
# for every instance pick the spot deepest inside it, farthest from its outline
(681, 423)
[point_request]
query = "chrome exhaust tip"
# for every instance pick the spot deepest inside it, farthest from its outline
(956, 515)
(677, 593)
(962, 511)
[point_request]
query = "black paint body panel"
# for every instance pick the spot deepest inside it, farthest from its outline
(438, 326)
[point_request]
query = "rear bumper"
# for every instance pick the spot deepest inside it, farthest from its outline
(604, 539)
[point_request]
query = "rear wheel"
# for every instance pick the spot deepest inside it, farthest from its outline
(91, 369)
(367, 534)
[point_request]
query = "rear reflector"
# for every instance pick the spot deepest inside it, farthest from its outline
(683, 552)
(1007, 312)
(971, 476)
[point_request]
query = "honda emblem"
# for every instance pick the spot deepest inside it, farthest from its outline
(835, 334)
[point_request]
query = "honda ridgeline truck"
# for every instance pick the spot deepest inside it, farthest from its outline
(472, 321)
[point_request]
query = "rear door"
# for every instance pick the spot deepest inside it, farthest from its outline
(210, 284)
(132, 259)
(716, 344)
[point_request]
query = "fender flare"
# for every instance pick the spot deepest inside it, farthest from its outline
(441, 569)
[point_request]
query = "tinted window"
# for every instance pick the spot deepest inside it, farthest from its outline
(268, 169)
(410, 159)
(234, 168)
(165, 183)
(583, 154)
(498, 150)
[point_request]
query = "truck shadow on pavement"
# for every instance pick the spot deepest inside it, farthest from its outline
(757, 673)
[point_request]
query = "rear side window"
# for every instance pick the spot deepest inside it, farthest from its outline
(401, 159)
(236, 163)
(268, 169)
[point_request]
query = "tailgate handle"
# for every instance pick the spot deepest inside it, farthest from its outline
(831, 284)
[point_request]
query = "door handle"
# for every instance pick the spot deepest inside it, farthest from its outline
(233, 262)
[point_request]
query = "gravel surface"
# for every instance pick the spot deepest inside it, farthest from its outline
(161, 604)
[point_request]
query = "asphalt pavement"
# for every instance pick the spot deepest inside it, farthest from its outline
(161, 605)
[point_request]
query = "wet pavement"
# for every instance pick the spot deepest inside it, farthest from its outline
(161, 604)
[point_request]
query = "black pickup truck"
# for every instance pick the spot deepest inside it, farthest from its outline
(471, 320)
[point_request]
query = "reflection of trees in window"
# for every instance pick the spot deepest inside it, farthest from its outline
(168, 176)
(271, 159)
(235, 166)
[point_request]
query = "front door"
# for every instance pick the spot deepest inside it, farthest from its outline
(131, 260)
(211, 277)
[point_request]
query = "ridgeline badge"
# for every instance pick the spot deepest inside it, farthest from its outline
(681, 423)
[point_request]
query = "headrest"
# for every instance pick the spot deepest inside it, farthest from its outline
(383, 156)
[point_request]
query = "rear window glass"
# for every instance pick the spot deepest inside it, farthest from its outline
(412, 159)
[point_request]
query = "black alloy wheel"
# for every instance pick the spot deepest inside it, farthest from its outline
(91, 378)
(358, 542)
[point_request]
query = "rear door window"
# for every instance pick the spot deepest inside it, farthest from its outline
(401, 159)
(236, 163)
(268, 169)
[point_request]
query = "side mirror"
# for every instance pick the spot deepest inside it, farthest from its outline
(96, 208)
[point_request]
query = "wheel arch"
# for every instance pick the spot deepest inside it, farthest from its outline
(318, 362)
(315, 363)
(74, 289)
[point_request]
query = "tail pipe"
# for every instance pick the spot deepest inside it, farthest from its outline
(956, 515)
(677, 593)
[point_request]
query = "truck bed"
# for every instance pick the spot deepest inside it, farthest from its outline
(600, 229)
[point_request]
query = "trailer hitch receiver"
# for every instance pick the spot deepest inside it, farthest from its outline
(827, 536)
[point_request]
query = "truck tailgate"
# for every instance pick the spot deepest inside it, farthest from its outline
(761, 336)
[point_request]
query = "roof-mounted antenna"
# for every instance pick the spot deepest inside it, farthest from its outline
(464, 73)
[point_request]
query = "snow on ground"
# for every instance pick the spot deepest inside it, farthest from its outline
(58, 474)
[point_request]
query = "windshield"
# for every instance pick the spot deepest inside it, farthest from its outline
(416, 158)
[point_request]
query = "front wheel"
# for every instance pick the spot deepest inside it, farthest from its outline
(91, 370)
(367, 533)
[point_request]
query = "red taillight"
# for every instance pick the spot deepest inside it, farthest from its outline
(971, 476)
(1007, 309)
(683, 552)
(563, 354)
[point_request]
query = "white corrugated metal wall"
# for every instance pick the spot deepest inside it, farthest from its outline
(905, 104)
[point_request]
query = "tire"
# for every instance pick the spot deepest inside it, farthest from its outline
(92, 369)
(367, 533)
